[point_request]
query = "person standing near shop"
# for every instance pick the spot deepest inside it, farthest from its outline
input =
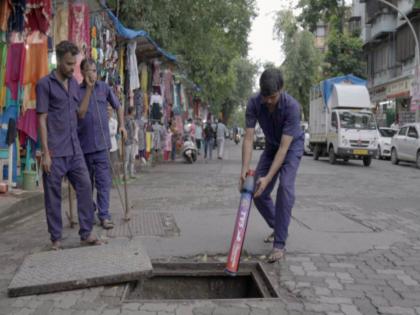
(198, 136)
(221, 130)
(94, 136)
(278, 114)
(57, 102)
(208, 141)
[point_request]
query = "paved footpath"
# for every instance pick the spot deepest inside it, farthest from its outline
(354, 244)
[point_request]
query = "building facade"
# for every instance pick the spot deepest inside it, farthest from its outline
(389, 48)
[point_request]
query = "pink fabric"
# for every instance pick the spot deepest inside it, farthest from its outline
(79, 25)
(28, 126)
(14, 68)
(168, 140)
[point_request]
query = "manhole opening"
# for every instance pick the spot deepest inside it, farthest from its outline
(201, 281)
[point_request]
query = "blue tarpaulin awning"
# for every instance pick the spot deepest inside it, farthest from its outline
(130, 34)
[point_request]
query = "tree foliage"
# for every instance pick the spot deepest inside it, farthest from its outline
(301, 67)
(314, 11)
(208, 36)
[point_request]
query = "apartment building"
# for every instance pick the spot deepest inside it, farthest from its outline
(389, 48)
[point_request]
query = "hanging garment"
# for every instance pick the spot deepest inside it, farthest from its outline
(36, 63)
(3, 59)
(61, 23)
(28, 103)
(167, 83)
(121, 66)
(28, 126)
(132, 64)
(79, 32)
(138, 103)
(5, 11)
(38, 15)
(14, 68)
(11, 132)
(16, 19)
(156, 73)
(144, 78)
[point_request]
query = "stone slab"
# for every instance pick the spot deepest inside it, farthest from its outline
(78, 268)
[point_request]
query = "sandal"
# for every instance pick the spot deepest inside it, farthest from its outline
(269, 238)
(91, 241)
(107, 224)
(56, 245)
(276, 255)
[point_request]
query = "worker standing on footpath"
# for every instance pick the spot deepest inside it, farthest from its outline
(94, 136)
(278, 114)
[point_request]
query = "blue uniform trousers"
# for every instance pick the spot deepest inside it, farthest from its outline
(101, 178)
(278, 215)
(74, 167)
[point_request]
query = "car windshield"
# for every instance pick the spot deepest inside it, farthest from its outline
(388, 133)
(357, 120)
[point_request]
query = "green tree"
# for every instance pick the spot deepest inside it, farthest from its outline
(314, 11)
(344, 55)
(301, 67)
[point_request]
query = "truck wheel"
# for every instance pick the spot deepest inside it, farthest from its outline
(394, 156)
(317, 150)
(346, 159)
(367, 160)
(332, 156)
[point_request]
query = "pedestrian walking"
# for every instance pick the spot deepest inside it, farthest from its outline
(130, 154)
(57, 103)
(94, 136)
(208, 141)
(278, 114)
(221, 130)
(198, 136)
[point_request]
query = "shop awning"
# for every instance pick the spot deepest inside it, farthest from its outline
(146, 46)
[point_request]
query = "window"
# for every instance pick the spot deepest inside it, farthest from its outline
(412, 133)
(334, 120)
(403, 131)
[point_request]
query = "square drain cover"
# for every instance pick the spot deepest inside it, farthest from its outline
(79, 268)
(145, 224)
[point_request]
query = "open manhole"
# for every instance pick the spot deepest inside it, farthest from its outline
(200, 281)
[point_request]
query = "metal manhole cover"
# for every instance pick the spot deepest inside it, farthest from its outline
(145, 224)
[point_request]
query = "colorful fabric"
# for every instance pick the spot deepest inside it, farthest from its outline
(5, 11)
(61, 23)
(27, 125)
(79, 31)
(36, 64)
(3, 58)
(38, 15)
(14, 67)
(16, 19)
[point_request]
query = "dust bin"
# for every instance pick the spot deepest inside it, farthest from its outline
(29, 180)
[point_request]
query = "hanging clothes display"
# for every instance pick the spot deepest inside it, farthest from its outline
(156, 73)
(3, 58)
(132, 65)
(14, 68)
(28, 126)
(61, 23)
(167, 83)
(38, 15)
(17, 19)
(36, 61)
(79, 25)
(5, 11)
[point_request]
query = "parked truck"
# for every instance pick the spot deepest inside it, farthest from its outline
(341, 122)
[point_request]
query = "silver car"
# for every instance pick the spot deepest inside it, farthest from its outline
(405, 145)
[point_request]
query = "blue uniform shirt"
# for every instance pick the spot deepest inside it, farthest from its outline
(90, 129)
(285, 120)
(61, 107)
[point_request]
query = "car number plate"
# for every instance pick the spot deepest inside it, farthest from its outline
(360, 152)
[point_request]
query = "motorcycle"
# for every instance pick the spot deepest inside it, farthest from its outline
(189, 150)
(237, 138)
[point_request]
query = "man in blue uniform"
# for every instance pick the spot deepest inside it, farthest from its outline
(278, 114)
(94, 135)
(57, 102)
